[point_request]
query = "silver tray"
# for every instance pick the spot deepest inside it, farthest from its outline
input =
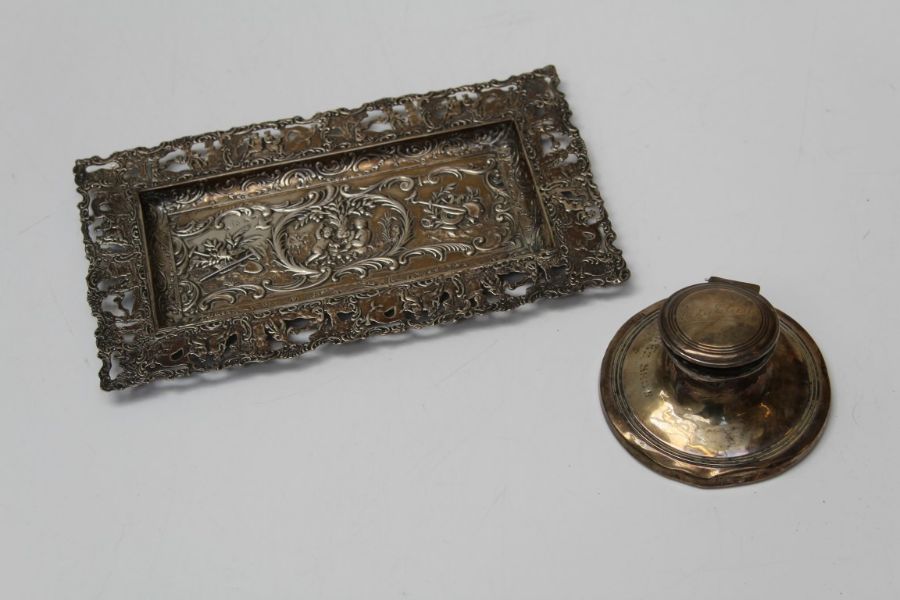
(266, 241)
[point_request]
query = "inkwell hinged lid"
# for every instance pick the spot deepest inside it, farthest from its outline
(715, 387)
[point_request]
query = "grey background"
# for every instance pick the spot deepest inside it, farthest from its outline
(754, 140)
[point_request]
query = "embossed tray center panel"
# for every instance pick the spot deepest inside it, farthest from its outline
(340, 223)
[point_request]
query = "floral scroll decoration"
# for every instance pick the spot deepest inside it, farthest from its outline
(273, 279)
(325, 236)
(340, 232)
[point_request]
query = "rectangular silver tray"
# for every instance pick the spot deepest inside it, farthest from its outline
(269, 240)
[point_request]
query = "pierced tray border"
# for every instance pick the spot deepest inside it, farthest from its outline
(134, 350)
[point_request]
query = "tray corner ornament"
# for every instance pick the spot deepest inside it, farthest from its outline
(266, 241)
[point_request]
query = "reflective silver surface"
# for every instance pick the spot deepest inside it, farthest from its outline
(714, 427)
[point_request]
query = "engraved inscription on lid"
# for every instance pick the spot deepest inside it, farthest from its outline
(720, 324)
